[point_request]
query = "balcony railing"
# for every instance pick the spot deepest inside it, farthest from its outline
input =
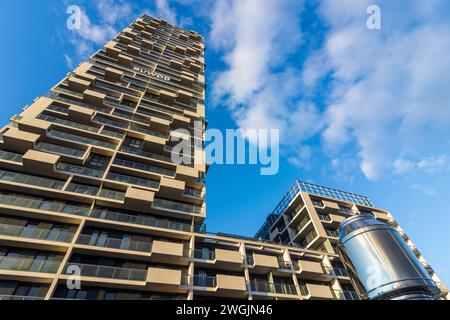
(13, 297)
(31, 180)
(269, 287)
(332, 233)
(29, 264)
(204, 254)
(101, 241)
(35, 233)
(324, 217)
(79, 170)
(79, 139)
(23, 202)
(340, 272)
(98, 271)
(204, 281)
(66, 151)
(195, 193)
(346, 210)
(176, 206)
(141, 220)
(133, 180)
(350, 295)
(10, 156)
(145, 154)
(143, 167)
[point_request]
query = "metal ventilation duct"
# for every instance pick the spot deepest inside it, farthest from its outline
(380, 263)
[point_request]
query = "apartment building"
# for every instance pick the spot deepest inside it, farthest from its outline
(88, 188)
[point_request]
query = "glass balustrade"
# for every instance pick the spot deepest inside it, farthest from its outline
(28, 264)
(99, 271)
(176, 206)
(79, 170)
(10, 156)
(33, 232)
(66, 151)
(30, 180)
(123, 244)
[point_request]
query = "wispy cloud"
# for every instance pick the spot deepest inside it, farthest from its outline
(260, 89)
(164, 11)
(389, 92)
(430, 165)
(386, 91)
(427, 190)
(92, 35)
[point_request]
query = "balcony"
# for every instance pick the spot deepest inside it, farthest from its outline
(145, 154)
(17, 298)
(204, 254)
(99, 271)
(176, 206)
(345, 210)
(194, 193)
(143, 167)
(350, 295)
(35, 233)
(29, 264)
(79, 170)
(31, 180)
(133, 180)
(10, 156)
(79, 139)
(262, 286)
(122, 244)
(204, 281)
(53, 206)
(332, 233)
(317, 203)
(140, 220)
(65, 151)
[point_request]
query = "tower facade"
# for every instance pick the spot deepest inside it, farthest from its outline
(95, 204)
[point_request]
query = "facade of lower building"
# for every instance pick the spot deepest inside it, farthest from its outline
(93, 205)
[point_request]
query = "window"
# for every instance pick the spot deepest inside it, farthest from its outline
(135, 143)
(97, 161)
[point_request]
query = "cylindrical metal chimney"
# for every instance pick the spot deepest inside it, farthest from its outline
(380, 263)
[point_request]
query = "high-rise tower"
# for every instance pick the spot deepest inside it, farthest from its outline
(90, 191)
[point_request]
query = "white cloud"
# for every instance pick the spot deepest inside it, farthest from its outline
(113, 11)
(389, 90)
(164, 11)
(69, 61)
(428, 191)
(257, 85)
(430, 165)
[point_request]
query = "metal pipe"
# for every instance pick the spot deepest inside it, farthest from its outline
(380, 264)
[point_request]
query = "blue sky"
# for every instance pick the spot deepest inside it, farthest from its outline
(366, 111)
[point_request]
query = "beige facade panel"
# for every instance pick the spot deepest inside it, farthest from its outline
(319, 292)
(230, 283)
(113, 74)
(160, 276)
(81, 114)
(229, 256)
(94, 98)
(265, 261)
(19, 141)
(138, 199)
(167, 248)
(78, 85)
(41, 162)
(34, 125)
